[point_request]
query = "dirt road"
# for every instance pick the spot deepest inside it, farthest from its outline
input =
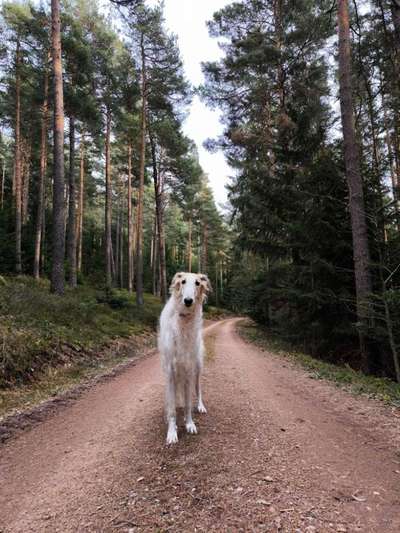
(277, 451)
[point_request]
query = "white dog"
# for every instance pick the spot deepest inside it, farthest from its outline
(180, 343)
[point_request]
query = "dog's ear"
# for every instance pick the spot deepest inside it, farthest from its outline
(205, 283)
(176, 282)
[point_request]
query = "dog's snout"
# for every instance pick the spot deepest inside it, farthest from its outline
(188, 301)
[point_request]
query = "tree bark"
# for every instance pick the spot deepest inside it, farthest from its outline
(42, 176)
(354, 181)
(159, 194)
(139, 225)
(108, 205)
(155, 262)
(395, 9)
(57, 275)
(279, 35)
(71, 227)
(121, 250)
(130, 221)
(393, 44)
(204, 249)
(3, 179)
(79, 229)
(117, 242)
(190, 245)
(25, 178)
(17, 162)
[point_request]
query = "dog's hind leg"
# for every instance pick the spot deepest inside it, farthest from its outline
(200, 405)
(190, 425)
(172, 434)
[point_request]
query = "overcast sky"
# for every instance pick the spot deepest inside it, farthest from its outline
(187, 19)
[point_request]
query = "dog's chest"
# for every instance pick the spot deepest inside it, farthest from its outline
(185, 340)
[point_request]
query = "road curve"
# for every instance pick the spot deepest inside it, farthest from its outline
(277, 451)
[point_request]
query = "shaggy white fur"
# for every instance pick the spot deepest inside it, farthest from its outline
(180, 343)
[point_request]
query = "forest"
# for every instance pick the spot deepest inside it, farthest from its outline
(310, 97)
(100, 186)
(111, 191)
(200, 266)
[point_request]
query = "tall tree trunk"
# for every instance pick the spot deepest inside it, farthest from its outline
(25, 178)
(42, 176)
(154, 248)
(393, 168)
(44, 243)
(354, 180)
(204, 249)
(79, 229)
(393, 44)
(130, 220)
(190, 245)
(17, 162)
(221, 283)
(108, 206)
(216, 283)
(199, 255)
(117, 242)
(139, 225)
(395, 8)
(279, 35)
(57, 275)
(113, 267)
(3, 179)
(121, 250)
(71, 227)
(159, 194)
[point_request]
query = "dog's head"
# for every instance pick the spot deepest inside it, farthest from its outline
(190, 289)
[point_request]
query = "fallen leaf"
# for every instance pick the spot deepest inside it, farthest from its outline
(359, 498)
(263, 502)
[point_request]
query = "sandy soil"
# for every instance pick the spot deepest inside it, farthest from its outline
(277, 451)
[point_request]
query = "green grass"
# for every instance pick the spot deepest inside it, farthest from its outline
(353, 381)
(216, 313)
(39, 330)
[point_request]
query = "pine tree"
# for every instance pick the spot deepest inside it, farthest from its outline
(57, 277)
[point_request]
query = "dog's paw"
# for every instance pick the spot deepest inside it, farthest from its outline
(191, 427)
(201, 408)
(172, 436)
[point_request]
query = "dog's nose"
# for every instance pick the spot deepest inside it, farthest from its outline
(188, 301)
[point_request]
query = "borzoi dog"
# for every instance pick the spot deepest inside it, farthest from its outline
(180, 343)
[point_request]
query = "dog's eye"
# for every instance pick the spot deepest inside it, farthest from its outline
(197, 283)
(183, 282)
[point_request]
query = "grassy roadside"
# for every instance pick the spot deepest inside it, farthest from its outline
(48, 344)
(54, 381)
(216, 313)
(345, 377)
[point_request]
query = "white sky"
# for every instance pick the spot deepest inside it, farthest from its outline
(187, 19)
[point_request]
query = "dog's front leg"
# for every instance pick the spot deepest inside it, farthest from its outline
(190, 425)
(170, 402)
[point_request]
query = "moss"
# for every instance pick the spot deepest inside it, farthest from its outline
(343, 376)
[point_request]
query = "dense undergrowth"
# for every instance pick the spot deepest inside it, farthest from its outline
(344, 376)
(40, 330)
